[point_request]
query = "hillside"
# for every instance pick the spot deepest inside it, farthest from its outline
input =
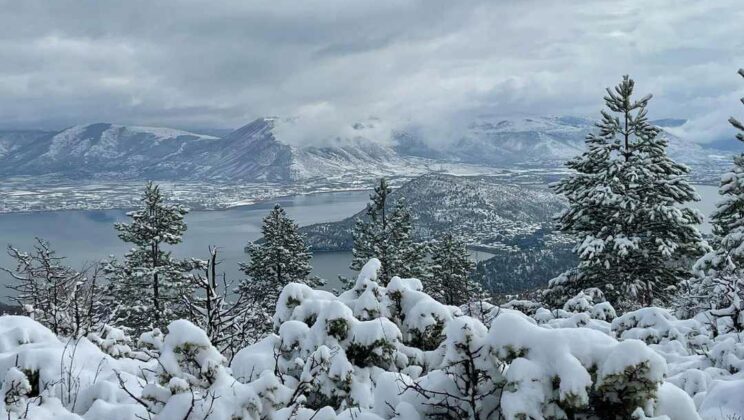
(250, 153)
(510, 225)
(489, 212)
(548, 142)
(261, 152)
(99, 149)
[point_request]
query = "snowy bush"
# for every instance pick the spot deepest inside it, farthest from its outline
(113, 341)
(390, 352)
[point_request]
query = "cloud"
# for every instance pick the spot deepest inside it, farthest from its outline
(431, 64)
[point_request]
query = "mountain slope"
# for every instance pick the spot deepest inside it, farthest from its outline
(250, 153)
(548, 142)
(90, 150)
(539, 141)
(524, 141)
(484, 210)
(253, 152)
(258, 151)
(510, 224)
(13, 140)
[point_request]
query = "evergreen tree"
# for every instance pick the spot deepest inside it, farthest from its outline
(450, 281)
(625, 200)
(719, 286)
(368, 234)
(280, 258)
(406, 257)
(388, 236)
(148, 285)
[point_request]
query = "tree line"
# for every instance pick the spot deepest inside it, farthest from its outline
(148, 287)
(637, 242)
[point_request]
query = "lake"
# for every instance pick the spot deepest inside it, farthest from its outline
(84, 236)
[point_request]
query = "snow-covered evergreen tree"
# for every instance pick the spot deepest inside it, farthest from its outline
(280, 258)
(450, 281)
(148, 285)
(368, 233)
(719, 286)
(626, 206)
(406, 256)
(387, 235)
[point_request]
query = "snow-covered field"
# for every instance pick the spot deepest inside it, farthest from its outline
(390, 352)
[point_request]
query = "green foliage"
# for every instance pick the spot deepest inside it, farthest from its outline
(338, 328)
(626, 207)
(147, 287)
(379, 353)
(386, 233)
(449, 280)
(281, 257)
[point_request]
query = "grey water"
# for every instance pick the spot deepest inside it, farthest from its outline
(85, 236)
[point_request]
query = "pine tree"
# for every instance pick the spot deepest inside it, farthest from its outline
(369, 234)
(282, 257)
(450, 281)
(388, 236)
(625, 200)
(405, 256)
(147, 286)
(719, 285)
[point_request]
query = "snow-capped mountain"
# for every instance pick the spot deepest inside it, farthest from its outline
(254, 152)
(13, 140)
(259, 151)
(523, 141)
(94, 149)
(538, 141)
(250, 153)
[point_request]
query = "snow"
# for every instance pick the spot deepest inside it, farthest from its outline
(161, 133)
(724, 399)
(329, 359)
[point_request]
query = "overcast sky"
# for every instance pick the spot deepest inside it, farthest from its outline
(431, 63)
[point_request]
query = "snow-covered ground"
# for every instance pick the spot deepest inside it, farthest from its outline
(390, 352)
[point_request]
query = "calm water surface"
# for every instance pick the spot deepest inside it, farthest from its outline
(84, 236)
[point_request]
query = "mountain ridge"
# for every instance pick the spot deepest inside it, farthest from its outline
(258, 152)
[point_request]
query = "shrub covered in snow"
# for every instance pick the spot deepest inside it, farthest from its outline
(390, 352)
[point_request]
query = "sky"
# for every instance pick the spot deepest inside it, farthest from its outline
(431, 64)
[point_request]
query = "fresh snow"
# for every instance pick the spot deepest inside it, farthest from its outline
(377, 352)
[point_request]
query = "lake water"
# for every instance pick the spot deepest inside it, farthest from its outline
(84, 236)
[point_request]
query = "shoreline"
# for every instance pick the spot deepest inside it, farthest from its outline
(232, 205)
(227, 206)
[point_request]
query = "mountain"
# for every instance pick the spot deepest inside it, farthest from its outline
(485, 210)
(250, 153)
(259, 151)
(528, 141)
(538, 141)
(548, 142)
(510, 225)
(254, 152)
(13, 140)
(91, 150)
